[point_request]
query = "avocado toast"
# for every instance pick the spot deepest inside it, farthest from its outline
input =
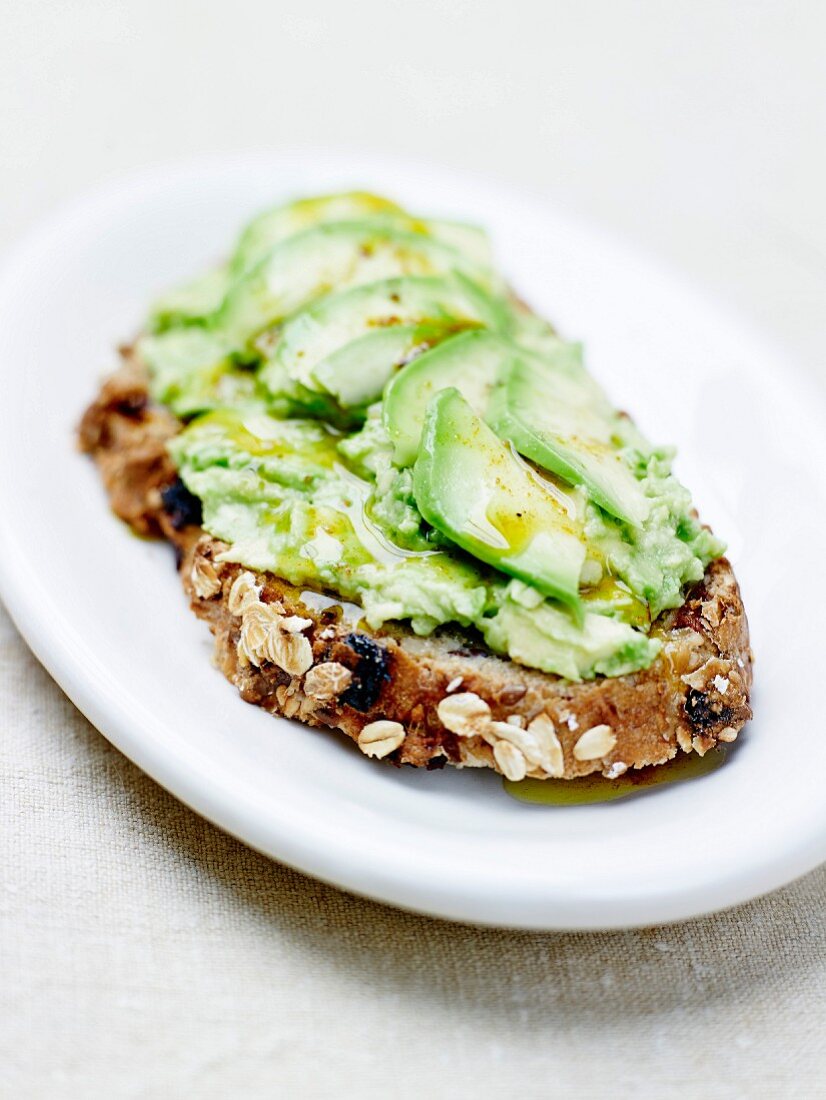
(407, 512)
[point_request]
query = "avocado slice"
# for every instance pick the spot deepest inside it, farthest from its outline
(470, 362)
(561, 420)
(350, 343)
(547, 406)
(196, 300)
(277, 224)
(473, 488)
(340, 254)
(200, 298)
(190, 303)
(274, 226)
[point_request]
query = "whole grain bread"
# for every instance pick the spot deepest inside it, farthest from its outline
(430, 700)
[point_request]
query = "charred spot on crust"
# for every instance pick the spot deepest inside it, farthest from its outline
(702, 714)
(688, 616)
(133, 405)
(369, 675)
(180, 505)
(469, 651)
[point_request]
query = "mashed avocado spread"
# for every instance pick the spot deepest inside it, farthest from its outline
(369, 413)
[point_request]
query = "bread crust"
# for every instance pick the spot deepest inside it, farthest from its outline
(694, 696)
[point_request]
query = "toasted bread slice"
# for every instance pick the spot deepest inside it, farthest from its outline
(416, 700)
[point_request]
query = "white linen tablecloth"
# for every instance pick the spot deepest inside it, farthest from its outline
(146, 954)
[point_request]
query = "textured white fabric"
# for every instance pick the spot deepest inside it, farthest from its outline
(146, 954)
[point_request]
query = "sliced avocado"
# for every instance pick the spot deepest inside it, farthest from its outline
(471, 240)
(471, 486)
(340, 254)
(532, 332)
(191, 302)
(471, 363)
(560, 419)
(349, 343)
(357, 374)
(196, 300)
(547, 406)
(273, 226)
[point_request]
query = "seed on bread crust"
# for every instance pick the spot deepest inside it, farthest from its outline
(595, 743)
(244, 593)
(615, 770)
(538, 744)
(465, 714)
(510, 760)
(327, 681)
(291, 651)
(497, 732)
(268, 635)
(379, 739)
(475, 753)
(205, 581)
(293, 624)
(727, 735)
(553, 760)
(257, 623)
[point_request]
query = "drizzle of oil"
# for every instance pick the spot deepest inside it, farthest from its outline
(618, 596)
(371, 537)
(589, 789)
(546, 481)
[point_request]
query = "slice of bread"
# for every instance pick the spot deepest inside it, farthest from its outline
(431, 700)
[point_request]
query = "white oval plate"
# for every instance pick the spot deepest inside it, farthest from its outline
(105, 614)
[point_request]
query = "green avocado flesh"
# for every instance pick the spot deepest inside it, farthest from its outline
(350, 344)
(371, 414)
(469, 484)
